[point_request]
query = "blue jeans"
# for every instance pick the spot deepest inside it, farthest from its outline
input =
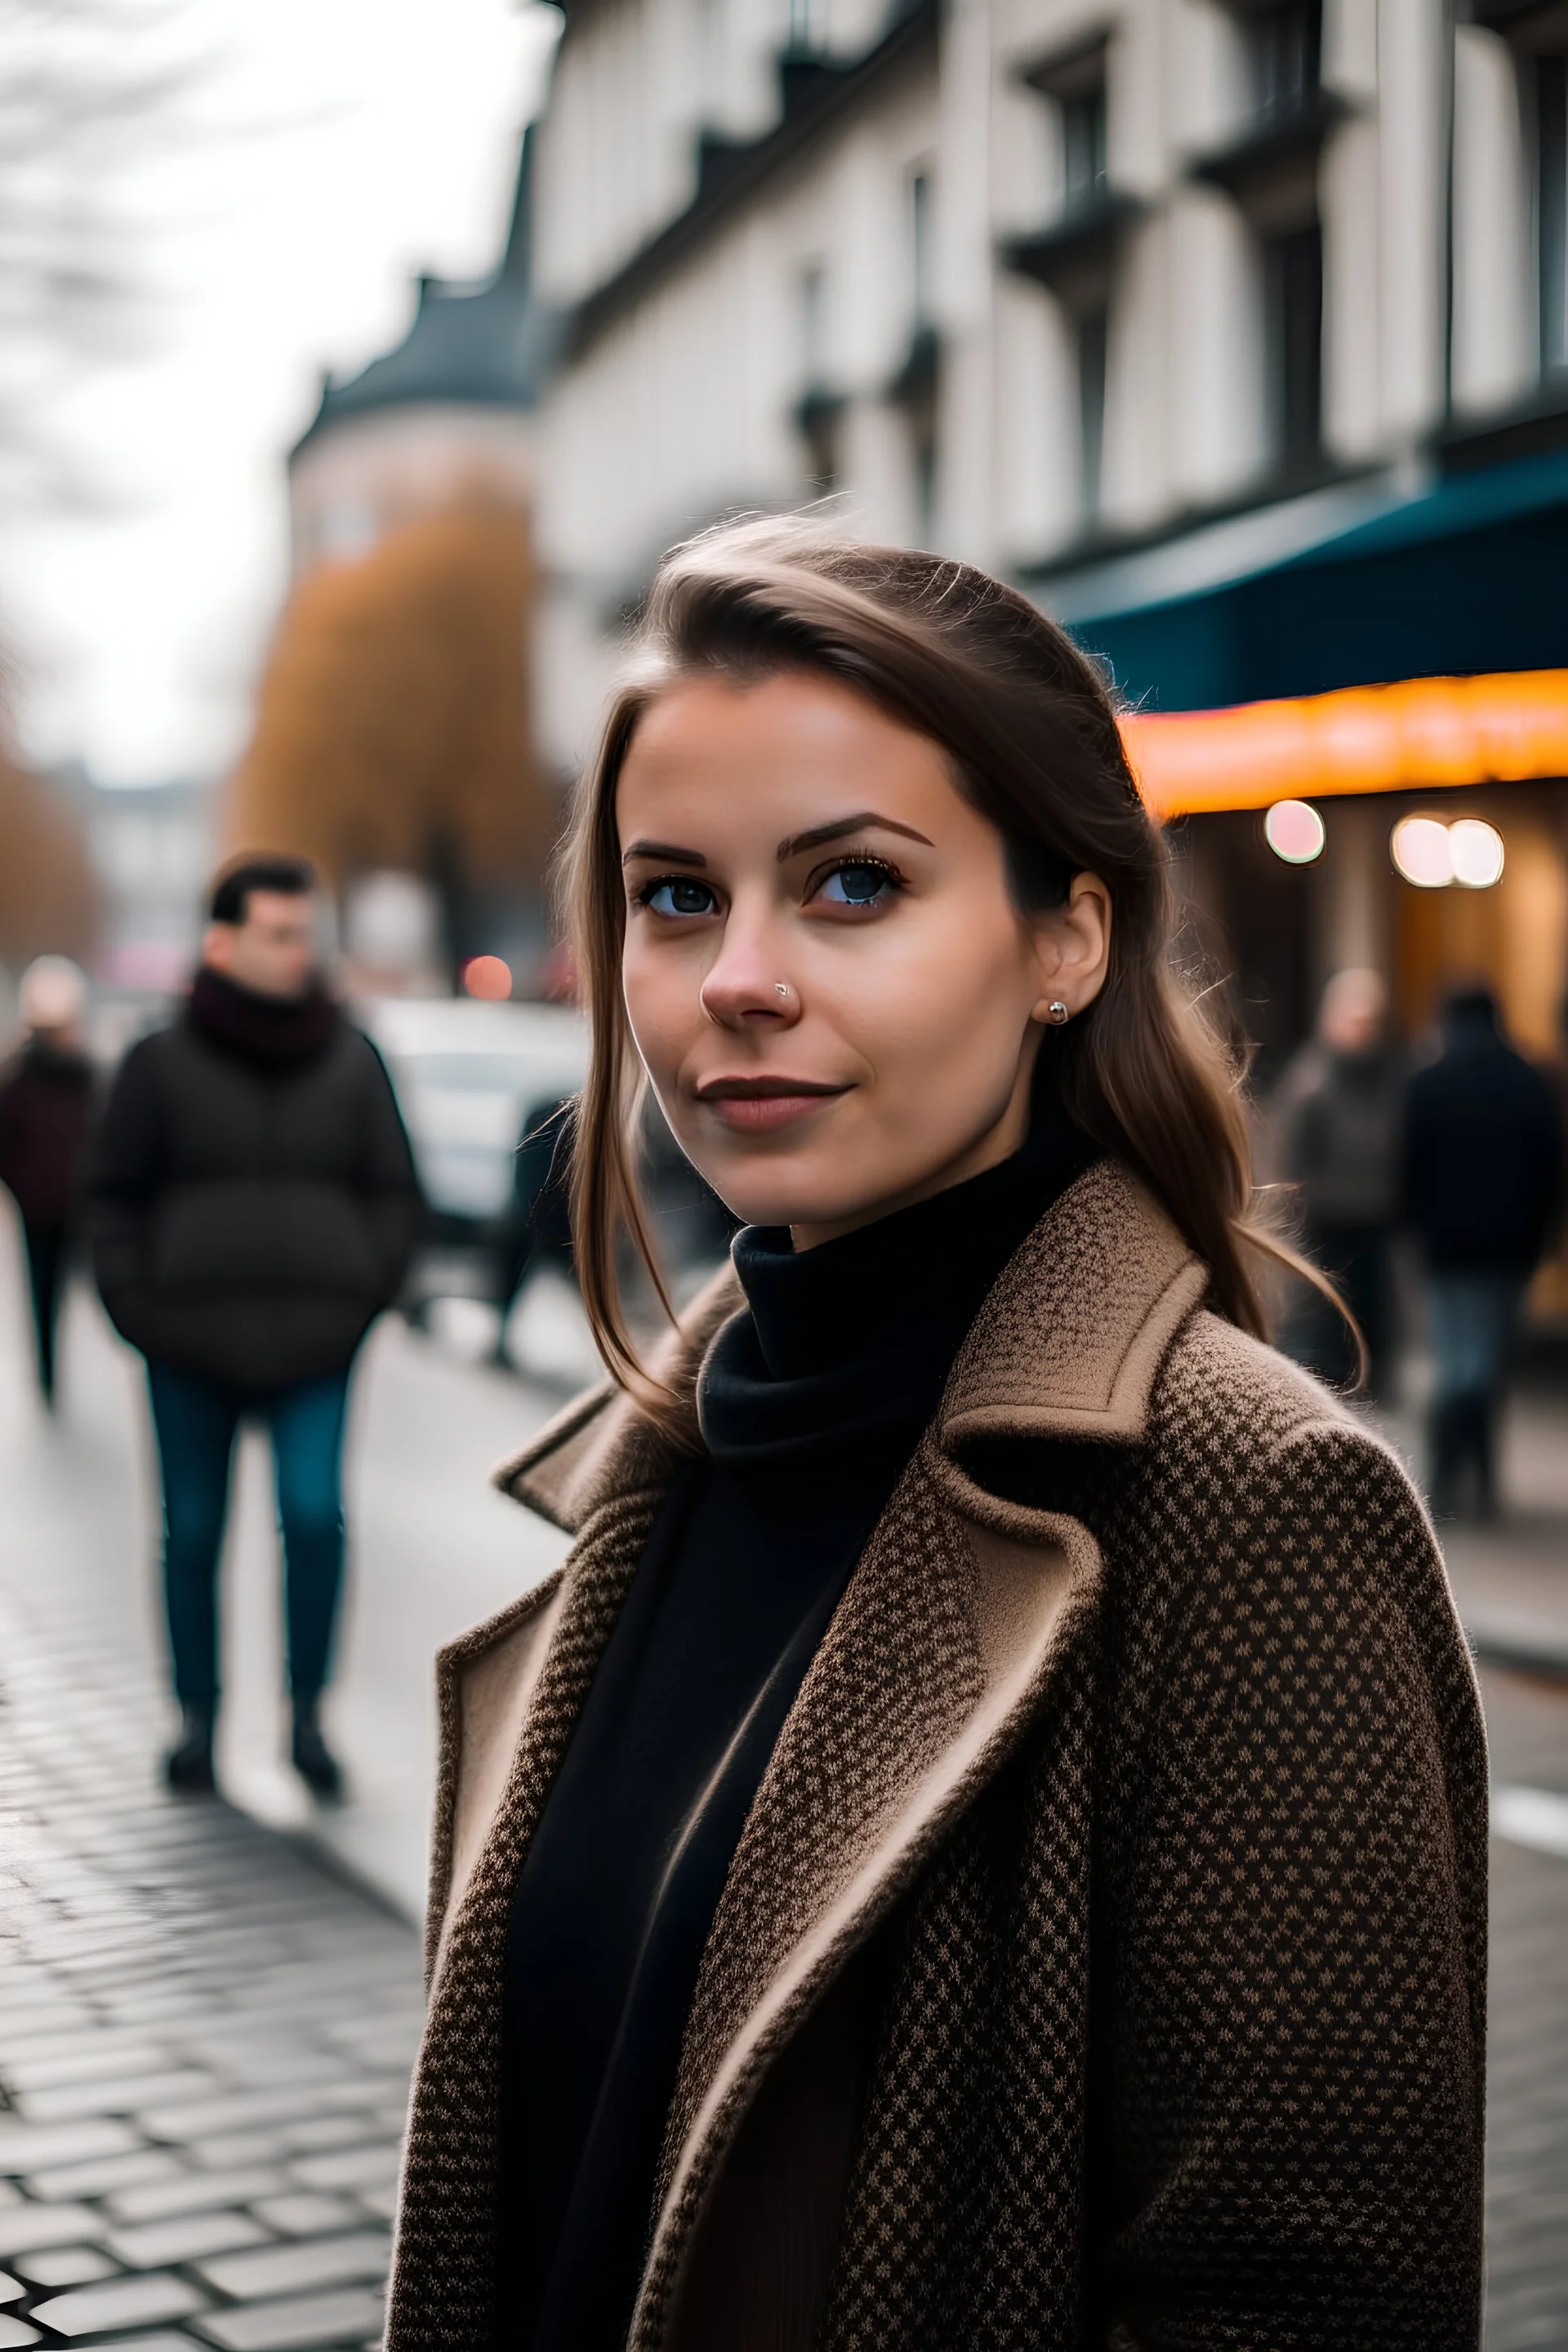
(1473, 1319)
(196, 1421)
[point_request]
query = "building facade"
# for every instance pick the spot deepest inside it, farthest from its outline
(1234, 330)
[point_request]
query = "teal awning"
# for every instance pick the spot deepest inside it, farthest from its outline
(1354, 585)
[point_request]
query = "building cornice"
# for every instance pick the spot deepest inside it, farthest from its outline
(815, 95)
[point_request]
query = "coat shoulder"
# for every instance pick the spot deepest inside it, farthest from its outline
(1278, 1483)
(1220, 1387)
(1234, 1420)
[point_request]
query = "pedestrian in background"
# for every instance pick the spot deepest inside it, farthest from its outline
(1483, 1191)
(535, 1230)
(46, 1121)
(253, 1207)
(1338, 1113)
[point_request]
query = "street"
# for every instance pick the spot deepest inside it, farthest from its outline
(207, 2011)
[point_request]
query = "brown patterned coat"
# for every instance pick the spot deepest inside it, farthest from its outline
(1102, 1962)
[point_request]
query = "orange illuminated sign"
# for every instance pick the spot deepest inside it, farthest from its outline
(1421, 733)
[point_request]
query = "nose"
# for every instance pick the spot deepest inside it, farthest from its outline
(745, 988)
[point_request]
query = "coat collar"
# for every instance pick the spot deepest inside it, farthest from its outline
(1067, 1345)
(957, 1621)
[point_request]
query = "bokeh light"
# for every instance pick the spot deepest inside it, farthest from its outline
(488, 978)
(1422, 853)
(1294, 831)
(1478, 853)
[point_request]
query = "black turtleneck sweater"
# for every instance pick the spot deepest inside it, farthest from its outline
(811, 1403)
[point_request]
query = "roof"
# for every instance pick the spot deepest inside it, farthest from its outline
(486, 344)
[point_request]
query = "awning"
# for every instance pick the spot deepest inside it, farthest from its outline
(1353, 585)
(1423, 733)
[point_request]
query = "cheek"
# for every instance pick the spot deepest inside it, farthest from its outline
(949, 1011)
(663, 1006)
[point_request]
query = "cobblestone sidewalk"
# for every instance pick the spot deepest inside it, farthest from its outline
(204, 2043)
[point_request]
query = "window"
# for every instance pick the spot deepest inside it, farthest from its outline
(1552, 207)
(1293, 345)
(1075, 84)
(814, 325)
(1284, 52)
(818, 410)
(1083, 119)
(921, 249)
(915, 388)
(807, 27)
(1092, 339)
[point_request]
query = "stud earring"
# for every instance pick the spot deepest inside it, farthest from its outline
(1056, 1011)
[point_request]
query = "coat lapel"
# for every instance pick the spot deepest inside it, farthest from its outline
(941, 1653)
(445, 2248)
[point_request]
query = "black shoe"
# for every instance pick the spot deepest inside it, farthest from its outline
(313, 1759)
(188, 1766)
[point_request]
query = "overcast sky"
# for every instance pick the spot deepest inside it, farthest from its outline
(273, 210)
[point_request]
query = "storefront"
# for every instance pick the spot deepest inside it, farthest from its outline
(1420, 827)
(1378, 652)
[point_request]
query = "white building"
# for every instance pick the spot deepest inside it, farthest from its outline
(1234, 330)
(1128, 299)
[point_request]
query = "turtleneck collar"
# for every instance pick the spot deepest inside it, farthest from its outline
(848, 1346)
(270, 1030)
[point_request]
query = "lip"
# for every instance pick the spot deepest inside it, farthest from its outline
(760, 1106)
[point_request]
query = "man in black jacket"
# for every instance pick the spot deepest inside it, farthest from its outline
(1483, 1191)
(252, 1206)
(47, 1100)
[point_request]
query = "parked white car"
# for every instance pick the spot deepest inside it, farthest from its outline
(467, 1073)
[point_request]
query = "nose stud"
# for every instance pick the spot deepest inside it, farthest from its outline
(781, 988)
(1056, 1011)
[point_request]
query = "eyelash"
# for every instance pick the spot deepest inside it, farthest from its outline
(824, 874)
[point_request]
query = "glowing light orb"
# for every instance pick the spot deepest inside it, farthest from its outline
(1423, 852)
(1294, 831)
(1477, 851)
(487, 977)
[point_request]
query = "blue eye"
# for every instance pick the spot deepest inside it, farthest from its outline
(858, 884)
(677, 894)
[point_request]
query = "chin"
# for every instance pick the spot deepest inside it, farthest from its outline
(758, 1202)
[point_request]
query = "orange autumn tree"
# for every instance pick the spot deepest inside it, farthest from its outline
(48, 899)
(392, 726)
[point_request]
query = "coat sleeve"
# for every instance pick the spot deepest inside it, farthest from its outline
(386, 1176)
(124, 1173)
(1297, 2006)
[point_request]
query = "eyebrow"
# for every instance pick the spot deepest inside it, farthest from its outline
(662, 849)
(866, 819)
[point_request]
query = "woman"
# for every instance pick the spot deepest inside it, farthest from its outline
(982, 1842)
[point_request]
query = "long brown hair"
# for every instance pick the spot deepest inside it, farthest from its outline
(1030, 728)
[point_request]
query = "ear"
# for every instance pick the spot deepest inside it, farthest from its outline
(1073, 948)
(218, 946)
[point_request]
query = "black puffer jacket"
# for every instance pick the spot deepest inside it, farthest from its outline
(1483, 1150)
(252, 1201)
(45, 1121)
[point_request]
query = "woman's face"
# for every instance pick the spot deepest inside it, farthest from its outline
(836, 1000)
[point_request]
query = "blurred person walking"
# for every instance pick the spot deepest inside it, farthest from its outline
(1483, 1191)
(1337, 1113)
(535, 1230)
(253, 1206)
(45, 1123)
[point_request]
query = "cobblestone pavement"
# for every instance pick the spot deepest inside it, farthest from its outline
(204, 2043)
